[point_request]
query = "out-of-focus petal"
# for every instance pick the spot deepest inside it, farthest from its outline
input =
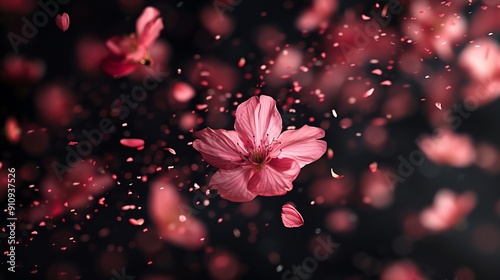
(166, 207)
(301, 145)
(148, 15)
(151, 33)
(115, 45)
(12, 130)
(275, 178)
(232, 184)
(219, 147)
(258, 121)
(290, 217)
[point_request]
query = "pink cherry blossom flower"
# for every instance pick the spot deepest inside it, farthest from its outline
(256, 158)
(130, 51)
(448, 210)
(62, 21)
(291, 217)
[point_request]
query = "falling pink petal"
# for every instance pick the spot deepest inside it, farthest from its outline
(368, 93)
(172, 151)
(62, 21)
(373, 167)
(363, 17)
(241, 62)
(12, 130)
(183, 92)
(335, 175)
(136, 222)
(132, 143)
(438, 105)
(290, 217)
(386, 83)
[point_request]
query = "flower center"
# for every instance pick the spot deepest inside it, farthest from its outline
(133, 47)
(146, 60)
(257, 157)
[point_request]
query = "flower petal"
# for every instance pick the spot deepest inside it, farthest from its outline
(219, 147)
(275, 178)
(258, 121)
(149, 25)
(301, 145)
(115, 45)
(148, 15)
(62, 21)
(117, 67)
(232, 184)
(290, 217)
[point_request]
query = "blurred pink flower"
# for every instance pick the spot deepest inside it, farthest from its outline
(291, 217)
(256, 158)
(448, 210)
(449, 148)
(481, 60)
(173, 218)
(62, 21)
(130, 51)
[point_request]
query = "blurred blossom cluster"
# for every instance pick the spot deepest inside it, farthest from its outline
(238, 139)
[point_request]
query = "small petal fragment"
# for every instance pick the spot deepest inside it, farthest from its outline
(335, 175)
(368, 93)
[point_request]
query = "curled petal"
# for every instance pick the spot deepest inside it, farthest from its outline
(301, 145)
(117, 67)
(151, 33)
(232, 184)
(275, 178)
(258, 121)
(219, 147)
(148, 27)
(148, 15)
(290, 217)
(62, 21)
